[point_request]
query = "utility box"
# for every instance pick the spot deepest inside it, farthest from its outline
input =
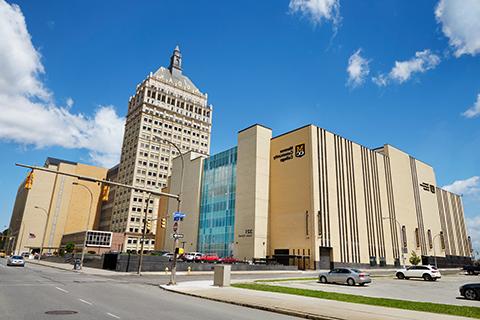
(221, 275)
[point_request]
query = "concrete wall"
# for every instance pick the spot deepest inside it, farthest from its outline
(252, 193)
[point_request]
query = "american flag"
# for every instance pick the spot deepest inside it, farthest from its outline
(32, 235)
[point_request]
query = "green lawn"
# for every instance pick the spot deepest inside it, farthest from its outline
(464, 311)
(287, 279)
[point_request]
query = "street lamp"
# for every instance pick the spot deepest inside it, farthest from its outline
(175, 239)
(44, 231)
(433, 243)
(400, 238)
(88, 220)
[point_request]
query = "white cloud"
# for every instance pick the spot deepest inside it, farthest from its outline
(69, 102)
(473, 226)
(28, 114)
(403, 70)
(468, 186)
(317, 10)
(357, 69)
(460, 20)
(473, 111)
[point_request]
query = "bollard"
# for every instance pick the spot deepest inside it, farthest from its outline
(221, 275)
(189, 269)
(166, 270)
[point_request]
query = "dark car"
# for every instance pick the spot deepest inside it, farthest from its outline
(471, 291)
(472, 269)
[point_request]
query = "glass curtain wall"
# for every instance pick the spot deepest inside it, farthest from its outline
(217, 206)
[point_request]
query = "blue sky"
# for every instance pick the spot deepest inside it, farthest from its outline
(413, 75)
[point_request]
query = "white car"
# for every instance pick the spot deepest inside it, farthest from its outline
(192, 256)
(428, 273)
(16, 261)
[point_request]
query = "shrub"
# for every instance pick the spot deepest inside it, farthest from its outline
(414, 258)
(69, 247)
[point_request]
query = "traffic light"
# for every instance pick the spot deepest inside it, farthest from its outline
(163, 223)
(105, 192)
(148, 226)
(29, 181)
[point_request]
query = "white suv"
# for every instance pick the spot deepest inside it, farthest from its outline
(428, 273)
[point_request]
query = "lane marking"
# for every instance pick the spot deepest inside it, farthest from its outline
(112, 315)
(63, 290)
(85, 301)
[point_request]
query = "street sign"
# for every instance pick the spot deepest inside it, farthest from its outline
(175, 226)
(177, 216)
(177, 235)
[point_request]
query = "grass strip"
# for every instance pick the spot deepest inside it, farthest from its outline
(287, 279)
(464, 311)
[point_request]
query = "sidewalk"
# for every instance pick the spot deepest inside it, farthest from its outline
(305, 307)
(69, 267)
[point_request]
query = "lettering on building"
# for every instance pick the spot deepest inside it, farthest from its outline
(290, 152)
(427, 187)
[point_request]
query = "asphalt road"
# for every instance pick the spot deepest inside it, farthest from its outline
(34, 291)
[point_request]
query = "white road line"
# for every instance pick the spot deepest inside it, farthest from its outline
(112, 315)
(63, 290)
(84, 301)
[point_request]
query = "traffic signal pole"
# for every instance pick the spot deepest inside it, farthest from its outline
(144, 232)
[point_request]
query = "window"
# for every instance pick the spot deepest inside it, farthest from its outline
(417, 238)
(429, 235)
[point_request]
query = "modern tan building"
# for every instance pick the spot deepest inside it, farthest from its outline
(313, 198)
(55, 200)
(167, 106)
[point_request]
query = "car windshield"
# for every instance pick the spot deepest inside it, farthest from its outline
(433, 268)
(356, 270)
(17, 257)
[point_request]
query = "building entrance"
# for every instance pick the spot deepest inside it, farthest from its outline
(325, 258)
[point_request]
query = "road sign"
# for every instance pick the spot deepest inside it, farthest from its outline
(178, 216)
(177, 235)
(175, 226)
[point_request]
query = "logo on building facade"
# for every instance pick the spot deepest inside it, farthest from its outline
(288, 153)
(300, 150)
(427, 187)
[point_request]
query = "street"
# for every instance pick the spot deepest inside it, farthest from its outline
(34, 291)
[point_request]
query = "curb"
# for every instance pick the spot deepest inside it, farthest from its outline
(55, 267)
(287, 312)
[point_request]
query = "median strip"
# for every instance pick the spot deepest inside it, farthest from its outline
(464, 311)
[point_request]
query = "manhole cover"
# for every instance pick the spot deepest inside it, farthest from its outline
(60, 312)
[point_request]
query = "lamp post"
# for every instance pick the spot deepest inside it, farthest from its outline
(44, 231)
(400, 238)
(88, 221)
(434, 254)
(173, 274)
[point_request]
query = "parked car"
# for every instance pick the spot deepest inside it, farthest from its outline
(191, 256)
(428, 273)
(208, 258)
(471, 291)
(349, 276)
(229, 260)
(2, 254)
(472, 269)
(16, 261)
(169, 255)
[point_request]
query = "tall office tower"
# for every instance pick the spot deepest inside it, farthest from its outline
(166, 106)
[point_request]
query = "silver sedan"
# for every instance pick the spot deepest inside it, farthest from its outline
(349, 276)
(16, 261)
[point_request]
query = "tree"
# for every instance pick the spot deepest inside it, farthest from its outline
(414, 258)
(69, 247)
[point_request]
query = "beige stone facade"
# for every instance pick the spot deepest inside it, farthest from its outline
(56, 198)
(312, 198)
(166, 106)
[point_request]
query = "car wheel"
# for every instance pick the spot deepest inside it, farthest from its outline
(350, 282)
(323, 279)
(470, 294)
(362, 284)
(427, 277)
(400, 276)
(470, 272)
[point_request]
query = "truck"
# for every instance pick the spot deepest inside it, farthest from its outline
(472, 269)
